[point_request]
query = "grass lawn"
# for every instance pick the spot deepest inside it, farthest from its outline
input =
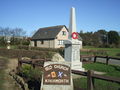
(110, 70)
(2, 46)
(12, 46)
(110, 51)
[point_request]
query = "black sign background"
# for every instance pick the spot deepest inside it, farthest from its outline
(56, 74)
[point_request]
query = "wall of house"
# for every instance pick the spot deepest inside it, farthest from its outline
(56, 43)
(32, 43)
(51, 43)
(46, 43)
(61, 37)
(80, 44)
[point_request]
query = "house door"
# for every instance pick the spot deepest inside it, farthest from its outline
(35, 43)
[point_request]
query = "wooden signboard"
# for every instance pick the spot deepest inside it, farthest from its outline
(56, 74)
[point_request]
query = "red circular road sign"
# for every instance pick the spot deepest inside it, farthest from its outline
(75, 35)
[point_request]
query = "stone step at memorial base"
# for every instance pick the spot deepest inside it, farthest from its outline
(77, 66)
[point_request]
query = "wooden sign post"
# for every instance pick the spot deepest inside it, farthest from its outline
(57, 76)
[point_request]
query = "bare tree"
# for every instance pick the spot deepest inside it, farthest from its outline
(15, 34)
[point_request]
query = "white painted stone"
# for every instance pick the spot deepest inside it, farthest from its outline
(8, 47)
(72, 46)
(8, 43)
(72, 24)
(25, 58)
(57, 87)
(57, 57)
(72, 54)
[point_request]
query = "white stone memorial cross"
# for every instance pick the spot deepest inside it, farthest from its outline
(72, 45)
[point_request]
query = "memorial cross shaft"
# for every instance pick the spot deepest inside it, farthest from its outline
(72, 45)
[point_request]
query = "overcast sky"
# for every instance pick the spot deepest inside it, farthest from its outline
(31, 15)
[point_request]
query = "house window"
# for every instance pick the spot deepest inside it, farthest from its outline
(63, 33)
(42, 42)
(60, 42)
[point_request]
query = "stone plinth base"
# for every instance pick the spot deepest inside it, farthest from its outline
(77, 66)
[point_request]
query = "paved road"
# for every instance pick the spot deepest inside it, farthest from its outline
(111, 61)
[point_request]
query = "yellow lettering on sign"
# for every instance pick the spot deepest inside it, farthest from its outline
(53, 74)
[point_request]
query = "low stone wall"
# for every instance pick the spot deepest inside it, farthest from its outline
(19, 80)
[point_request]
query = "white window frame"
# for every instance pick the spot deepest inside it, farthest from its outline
(60, 42)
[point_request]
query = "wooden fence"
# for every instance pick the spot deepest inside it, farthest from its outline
(107, 58)
(89, 57)
(33, 62)
(91, 76)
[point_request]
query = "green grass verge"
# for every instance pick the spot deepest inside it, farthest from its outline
(11, 46)
(99, 84)
(14, 46)
(110, 70)
(110, 51)
(2, 46)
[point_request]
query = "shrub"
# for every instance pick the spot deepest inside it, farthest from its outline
(25, 70)
(2, 41)
(94, 52)
(104, 46)
(118, 54)
(25, 53)
(59, 50)
(25, 42)
(30, 73)
(25, 47)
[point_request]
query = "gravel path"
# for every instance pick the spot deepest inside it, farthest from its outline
(9, 83)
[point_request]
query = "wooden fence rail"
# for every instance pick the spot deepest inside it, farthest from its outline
(33, 62)
(91, 76)
(89, 57)
(107, 58)
(86, 56)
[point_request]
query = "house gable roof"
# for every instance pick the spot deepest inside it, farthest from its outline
(48, 32)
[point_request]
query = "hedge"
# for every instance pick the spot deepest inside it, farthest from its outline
(58, 50)
(25, 53)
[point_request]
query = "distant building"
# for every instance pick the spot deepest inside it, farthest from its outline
(50, 37)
